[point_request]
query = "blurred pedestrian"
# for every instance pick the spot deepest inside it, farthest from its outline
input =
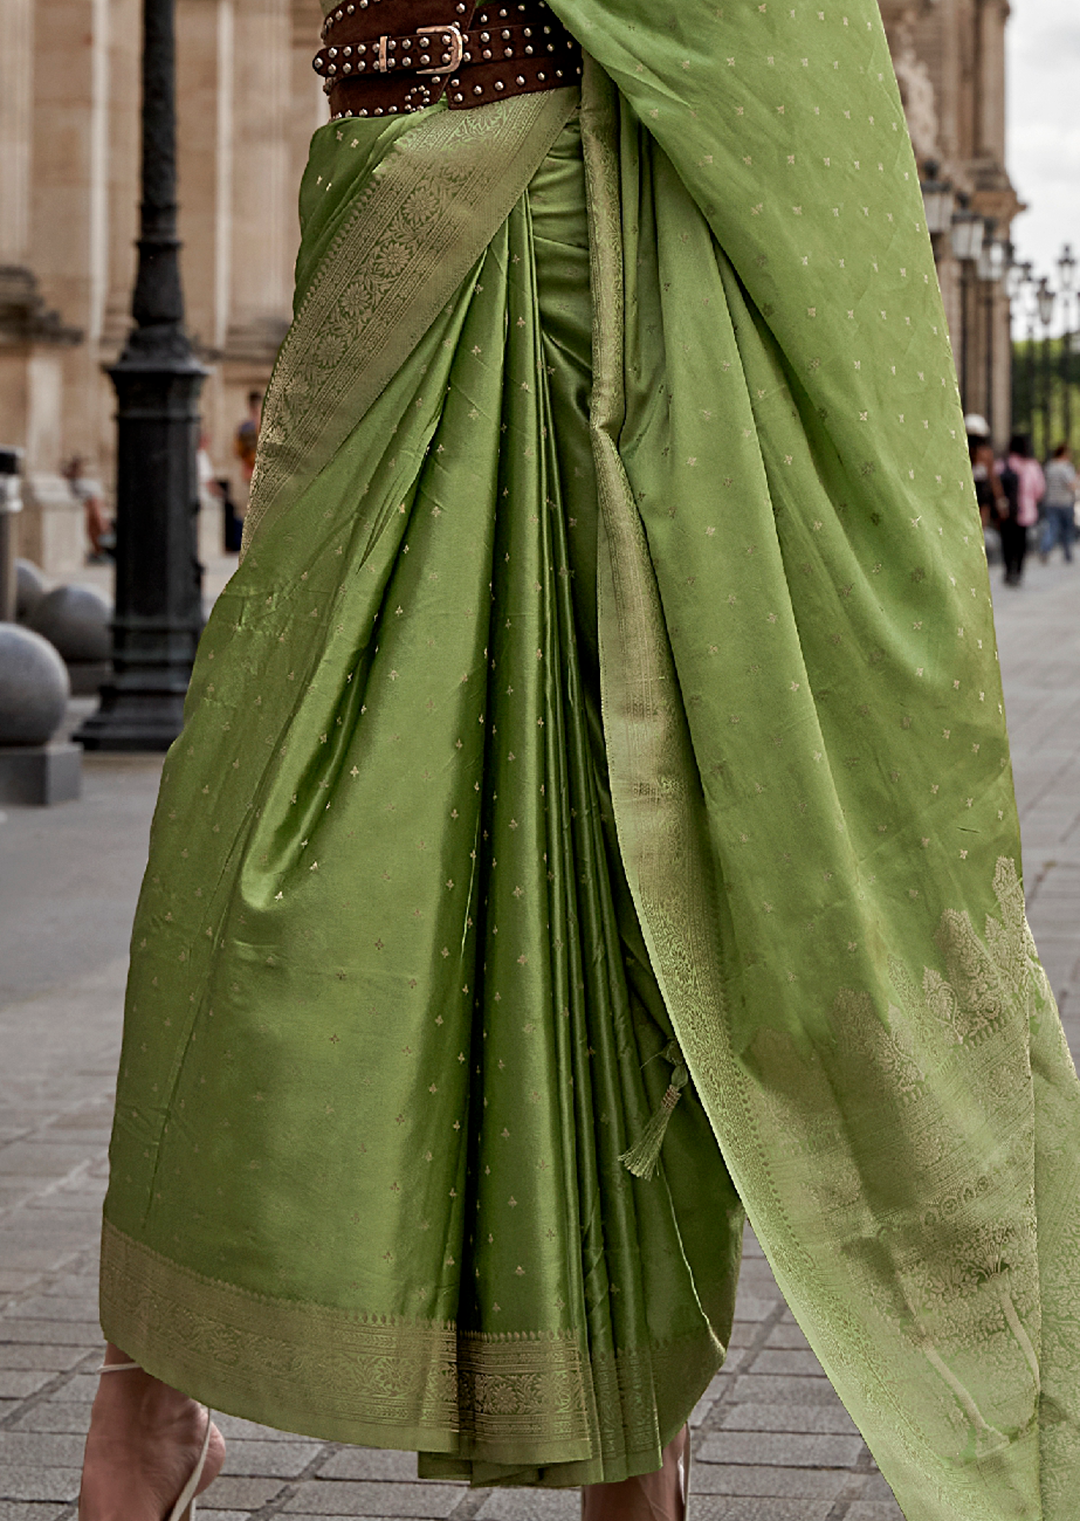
(1024, 485)
(247, 435)
(1059, 505)
(211, 527)
(88, 491)
(989, 492)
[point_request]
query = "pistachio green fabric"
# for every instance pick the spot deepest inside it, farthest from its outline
(390, 1018)
(624, 666)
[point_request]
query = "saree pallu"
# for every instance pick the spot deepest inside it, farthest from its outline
(611, 659)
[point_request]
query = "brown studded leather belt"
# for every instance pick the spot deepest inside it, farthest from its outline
(392, 57)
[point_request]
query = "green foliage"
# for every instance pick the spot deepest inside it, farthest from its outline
(1046, 390)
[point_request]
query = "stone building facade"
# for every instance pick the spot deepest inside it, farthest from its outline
(248, 102)
(950, 60)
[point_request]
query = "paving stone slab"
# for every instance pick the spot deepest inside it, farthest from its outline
(874, 1510)
(55, 1414)
(235, 1426)
(28, 1481)
(827, 1419)
(752, 1309)
(16, 1283)
(790, 1361)
(34, 1157)
(280, 1459)
(720, 1508)
(787, 1337)
(17, 1354)
(369, 1463)
(874, 1487)
(20, 1510)
(40, 1449)
(341, 1497)
(531, 1505)
(19, 1384)
(772, 1389)
(245, 1495)
(794, 1449)
(35, 1330)
(767, 1479)
(53, 1307)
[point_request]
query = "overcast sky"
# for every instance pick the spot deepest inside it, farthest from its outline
(1044, 126)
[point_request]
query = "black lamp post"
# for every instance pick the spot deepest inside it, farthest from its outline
(1067, 273)
(1046, 301)
(966, 230)
(157, 378)
(993, 261)
(1016, 277)
(1032, 382)
(938, 200)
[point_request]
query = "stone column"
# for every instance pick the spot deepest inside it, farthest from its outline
(263, 220)
(262, 212)
(16, 85)
(991, 124)
(309, 108)
(70, 201)
(33, 339)
(205, 86)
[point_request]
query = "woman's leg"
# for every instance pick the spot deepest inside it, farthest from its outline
(143, 1445)
(659, 1496)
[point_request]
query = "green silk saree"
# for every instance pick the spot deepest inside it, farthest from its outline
(611, 660)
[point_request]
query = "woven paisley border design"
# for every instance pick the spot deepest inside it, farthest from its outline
(518, 1398)
(426, 216)
(345, 1376)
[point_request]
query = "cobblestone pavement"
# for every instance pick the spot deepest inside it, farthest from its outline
(772, 1441)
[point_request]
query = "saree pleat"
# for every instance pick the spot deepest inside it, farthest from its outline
(384, 974)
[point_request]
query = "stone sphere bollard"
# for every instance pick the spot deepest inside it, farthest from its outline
(29, 589)
(33, 687)
(76, 620)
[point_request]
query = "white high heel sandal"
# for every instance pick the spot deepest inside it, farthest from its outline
(184, 1509)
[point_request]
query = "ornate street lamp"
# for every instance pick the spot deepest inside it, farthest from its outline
(1032, 353)
(966, 234)
(1067, 278)
(967, 230)
(158, 614)
(992, 265)
(938, 199)
(1017, 280)
(1045, 302)
(993, 258)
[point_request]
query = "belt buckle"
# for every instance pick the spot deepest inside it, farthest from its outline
(450, 33)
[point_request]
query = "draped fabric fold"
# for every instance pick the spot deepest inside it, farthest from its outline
(390, 1019)
(611, 661)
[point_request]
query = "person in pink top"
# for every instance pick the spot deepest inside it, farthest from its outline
(1024, 485)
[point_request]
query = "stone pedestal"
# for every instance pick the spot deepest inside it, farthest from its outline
(40, 775)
